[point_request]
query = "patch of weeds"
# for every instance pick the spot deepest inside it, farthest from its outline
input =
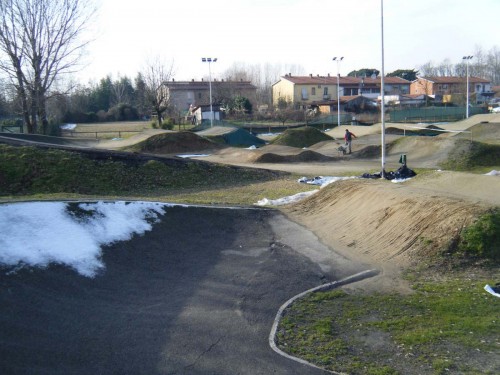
(472, 155)
(482, 238)
(426, 332)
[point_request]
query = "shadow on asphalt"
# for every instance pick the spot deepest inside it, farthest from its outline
(196, 295)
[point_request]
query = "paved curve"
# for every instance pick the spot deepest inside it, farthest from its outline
(196, 295)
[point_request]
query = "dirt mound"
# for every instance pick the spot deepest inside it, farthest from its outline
(430, 130)
(381, 221)
(174, 142)
(368, 152)
(301, 137)
(305, 156)
(484, 132)
(426, 152)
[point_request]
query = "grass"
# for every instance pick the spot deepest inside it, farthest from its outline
(37, 173)
(446, 326)
(482, 239)
(301, 137)
(473, 156)
(114, 126)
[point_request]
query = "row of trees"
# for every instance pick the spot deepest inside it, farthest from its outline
(483, 64)
(41, 42)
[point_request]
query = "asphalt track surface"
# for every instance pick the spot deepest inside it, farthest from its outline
(196, 295)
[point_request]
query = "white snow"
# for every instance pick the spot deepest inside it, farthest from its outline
(185, 156)
(323, 181)
(40, 233)
(493, 173)
(68, 127)
(319, 181)
(286, 200)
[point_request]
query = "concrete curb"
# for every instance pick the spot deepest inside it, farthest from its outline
(321, 288)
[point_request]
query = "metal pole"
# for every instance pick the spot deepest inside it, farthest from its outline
(467, 58)
(382, 88)
(338, 60)
(210, 88)
(210, 60)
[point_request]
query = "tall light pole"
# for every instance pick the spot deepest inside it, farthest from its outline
(338, 60)
(209, 60)
(467, 59)
(382, 88)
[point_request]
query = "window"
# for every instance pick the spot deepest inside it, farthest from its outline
(313, 90)
(325, 91)
(199, 95)
(304, 94)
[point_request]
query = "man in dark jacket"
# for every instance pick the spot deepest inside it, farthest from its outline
(348, 139)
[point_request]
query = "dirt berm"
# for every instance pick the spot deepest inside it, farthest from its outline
(389, 226)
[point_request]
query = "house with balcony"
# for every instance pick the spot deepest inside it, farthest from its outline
(304, 91)
(188, 94)
(451, 89)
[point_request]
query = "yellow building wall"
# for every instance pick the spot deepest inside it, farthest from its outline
(283, 89)
(293, 92)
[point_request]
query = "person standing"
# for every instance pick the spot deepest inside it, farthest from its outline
(348, 139)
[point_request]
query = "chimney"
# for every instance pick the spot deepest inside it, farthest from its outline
(310, 75)
(173, 79)
(192, 79)
(328, 74)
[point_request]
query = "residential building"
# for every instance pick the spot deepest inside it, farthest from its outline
(304, 91)
(445, 88)
(186, 94)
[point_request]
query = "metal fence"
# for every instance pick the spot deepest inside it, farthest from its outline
(433, 114)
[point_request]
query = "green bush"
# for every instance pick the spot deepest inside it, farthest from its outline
(482, 239)
(167, 124)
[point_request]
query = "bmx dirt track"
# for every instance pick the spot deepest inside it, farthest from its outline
(187, 299)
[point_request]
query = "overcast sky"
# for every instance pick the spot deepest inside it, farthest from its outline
(308, 33)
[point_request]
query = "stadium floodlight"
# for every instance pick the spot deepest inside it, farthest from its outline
(382, 93)
(338, 60)
(467, 59)
(209, 60)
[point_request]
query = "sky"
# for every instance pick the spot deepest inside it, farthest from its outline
(307, 33)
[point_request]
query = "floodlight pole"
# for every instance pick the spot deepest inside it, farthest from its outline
(338, 60)
(209, 60)
(382, 88)
(467, 59)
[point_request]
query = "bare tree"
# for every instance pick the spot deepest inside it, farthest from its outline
(445, 69)
(39, 41)
(428, 70)
(154, 76)
(493, 65)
